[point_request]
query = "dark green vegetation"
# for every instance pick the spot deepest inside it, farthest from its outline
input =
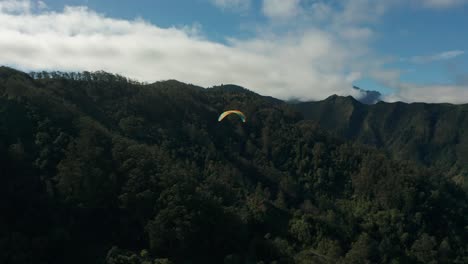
(433, 135)
(96, 168)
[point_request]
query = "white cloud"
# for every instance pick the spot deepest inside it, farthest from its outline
(21, 6)
(281, 8)
(442, 4)
(355, 33)
(320, 11)
(310, 64)
(348, 18)
(14, 6)
(429, 93)
(41, 5)
(446, 55)
(456, 94)
(238, 5)
(353, 76)
(389, 78)
(361, 11)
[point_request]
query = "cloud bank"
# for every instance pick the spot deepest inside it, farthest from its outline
(455, 94)
(309, 65)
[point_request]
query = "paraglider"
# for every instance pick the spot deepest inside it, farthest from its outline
(237, 112)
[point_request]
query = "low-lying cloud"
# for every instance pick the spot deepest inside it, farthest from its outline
(456, 94)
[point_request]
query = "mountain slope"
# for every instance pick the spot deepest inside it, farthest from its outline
(96, 168)
(435, 135)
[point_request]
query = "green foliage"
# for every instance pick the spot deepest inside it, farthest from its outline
(434, 135)
(424, 249)
(96, 168)
(362, 250)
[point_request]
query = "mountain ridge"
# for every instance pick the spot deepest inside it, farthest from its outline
(422, 132)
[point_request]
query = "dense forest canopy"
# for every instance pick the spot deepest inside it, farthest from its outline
(97, 168)
(433, 135)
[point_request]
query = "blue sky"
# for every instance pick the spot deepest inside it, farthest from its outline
(413, 50)
(218, 23)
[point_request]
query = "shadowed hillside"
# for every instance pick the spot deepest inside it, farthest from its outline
(435, 135)
(97, 168)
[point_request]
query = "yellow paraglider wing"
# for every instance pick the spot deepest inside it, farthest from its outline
(237, 112)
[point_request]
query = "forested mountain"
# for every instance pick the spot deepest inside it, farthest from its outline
(96, 168)
(435, 135)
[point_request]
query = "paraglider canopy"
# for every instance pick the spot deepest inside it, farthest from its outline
(237, 112)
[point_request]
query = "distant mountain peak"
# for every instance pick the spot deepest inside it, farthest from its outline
(231, 88)
(341, 99)
(370, 97)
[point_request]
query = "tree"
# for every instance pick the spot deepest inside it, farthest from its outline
(362, 250)
(424, 249)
